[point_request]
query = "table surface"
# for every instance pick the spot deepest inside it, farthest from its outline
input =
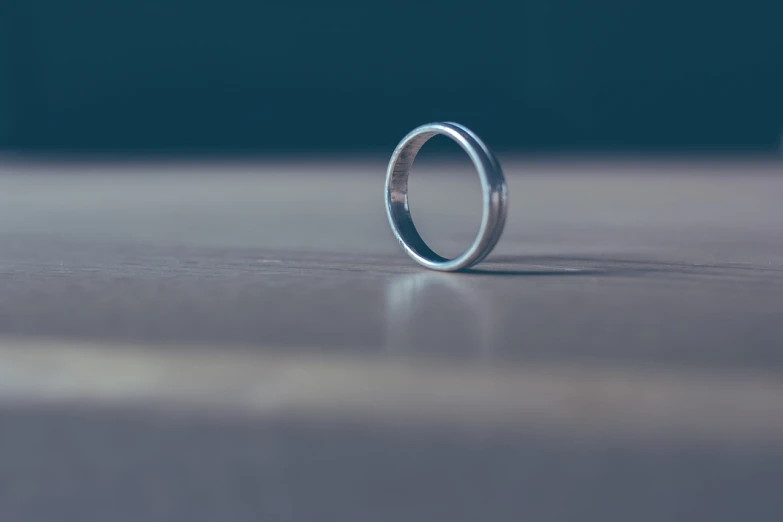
(246, 341)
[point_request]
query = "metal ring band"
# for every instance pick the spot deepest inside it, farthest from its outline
(493, 186)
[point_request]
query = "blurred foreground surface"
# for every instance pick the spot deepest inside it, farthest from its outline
(247, 342)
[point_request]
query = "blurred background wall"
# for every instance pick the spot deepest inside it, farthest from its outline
(255, 77)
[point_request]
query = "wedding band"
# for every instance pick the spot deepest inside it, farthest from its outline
(494, 196)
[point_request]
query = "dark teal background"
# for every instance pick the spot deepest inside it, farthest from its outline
(238, 76)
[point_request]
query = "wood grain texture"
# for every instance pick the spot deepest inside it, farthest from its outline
(248, 342)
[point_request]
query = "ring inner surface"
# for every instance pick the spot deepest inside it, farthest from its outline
(399, 202)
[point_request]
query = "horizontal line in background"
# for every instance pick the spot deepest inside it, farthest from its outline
(631, 403)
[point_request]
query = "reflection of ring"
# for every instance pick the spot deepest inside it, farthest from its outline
(493, 186)
(473, 316)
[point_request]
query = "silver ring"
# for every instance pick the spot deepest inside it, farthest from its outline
(493, 186)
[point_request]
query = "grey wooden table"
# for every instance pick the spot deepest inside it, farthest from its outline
(245, 341)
